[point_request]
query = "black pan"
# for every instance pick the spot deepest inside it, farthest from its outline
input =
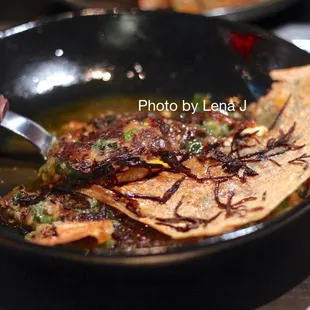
(180, 54)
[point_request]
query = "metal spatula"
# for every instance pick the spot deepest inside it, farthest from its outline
(25, 128)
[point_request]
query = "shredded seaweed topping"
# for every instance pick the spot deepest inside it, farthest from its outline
(167, 195)
(189, 223)
(232, 165)
(24, 198)
(301, 160)
(128, 141)
(231, 208)
(280, 113)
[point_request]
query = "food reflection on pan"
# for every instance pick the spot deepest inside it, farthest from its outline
(135, 180)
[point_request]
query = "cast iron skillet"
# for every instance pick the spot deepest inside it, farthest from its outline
(180, 54)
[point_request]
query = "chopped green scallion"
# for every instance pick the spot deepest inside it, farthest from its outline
(37, 211)
(194, 146)
(109, 243)
(129, 134)
(215, 128)
(101, 144)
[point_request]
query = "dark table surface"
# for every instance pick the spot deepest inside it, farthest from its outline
(272, 276)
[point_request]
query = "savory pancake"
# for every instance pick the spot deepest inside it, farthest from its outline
(57, 217)
(103, 150)
(187, 176)
(251, 184)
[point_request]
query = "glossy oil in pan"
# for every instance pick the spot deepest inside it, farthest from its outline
(50, 64)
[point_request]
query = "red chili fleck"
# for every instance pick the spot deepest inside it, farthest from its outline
(243, 43)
